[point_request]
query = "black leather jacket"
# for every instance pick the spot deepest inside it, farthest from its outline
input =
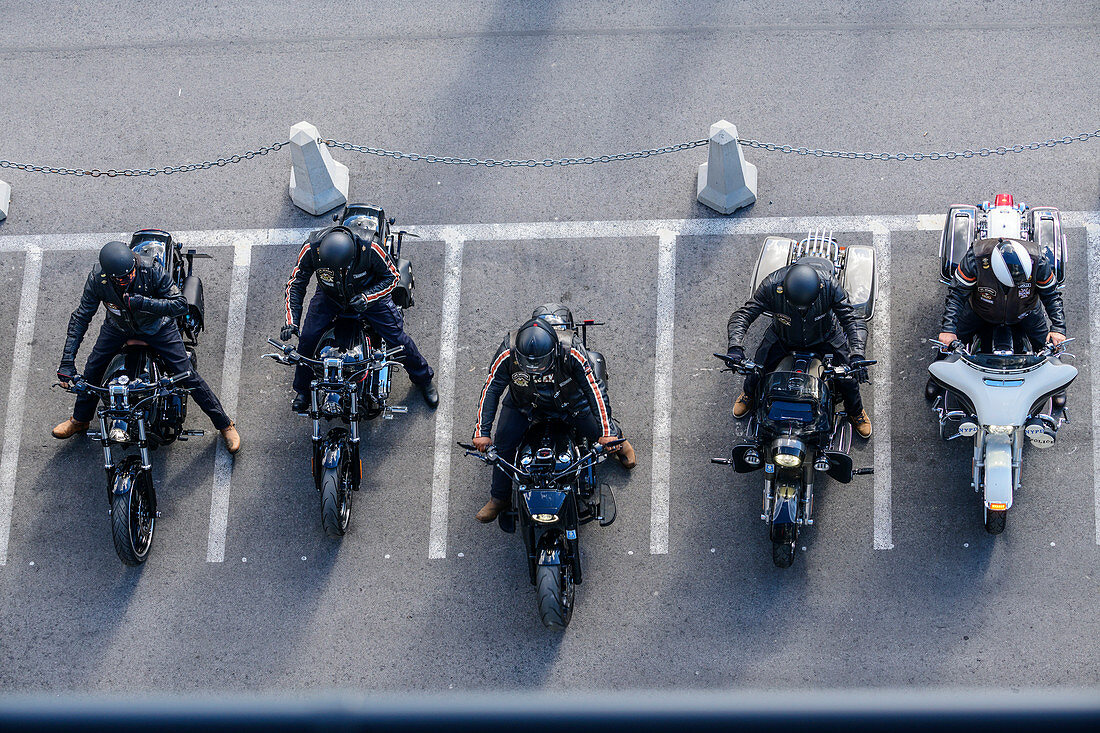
(570, 389)
(976, 287)
(372, 274)
(821, 323)
(154, 302)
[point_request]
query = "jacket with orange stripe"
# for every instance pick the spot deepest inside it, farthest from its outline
(372, 274)
(570, 389)
(976, 286)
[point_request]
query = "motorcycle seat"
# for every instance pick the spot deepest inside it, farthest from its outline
(135, 342)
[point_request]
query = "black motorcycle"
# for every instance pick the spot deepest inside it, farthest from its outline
(553, 482)
(797, 431)
(140, 405)
(352, 384)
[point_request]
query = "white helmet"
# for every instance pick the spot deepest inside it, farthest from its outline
(1011, 263)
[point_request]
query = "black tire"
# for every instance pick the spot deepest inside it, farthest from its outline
(995, 520)
(554, 592)
(336, 500)
(783, 554)
(132, 523)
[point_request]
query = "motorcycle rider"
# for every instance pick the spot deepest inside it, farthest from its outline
(142, 303)
(1000, 282)
(355, 277)
(811, 313)
(548, 374)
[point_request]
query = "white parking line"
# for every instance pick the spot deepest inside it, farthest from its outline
(445, 382)
(662, 393)
(1092, 247)
(230, 390)
(17, 388)
(883, 373)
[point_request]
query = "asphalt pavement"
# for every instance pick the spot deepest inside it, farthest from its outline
(287, 609)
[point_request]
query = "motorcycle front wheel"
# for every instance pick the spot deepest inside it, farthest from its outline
(554, 591)
(132, 521)
(995, 520)
(783, 545)
(336, 499)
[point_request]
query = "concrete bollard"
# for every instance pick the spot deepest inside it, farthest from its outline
(5, 199)
(726, 182)
(317, 182)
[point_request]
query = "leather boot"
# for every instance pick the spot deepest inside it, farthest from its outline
(743, 406)
(862, 424)
(626, 456)
(490, 511)
(69, 428)
(431, 394)
(232, 438)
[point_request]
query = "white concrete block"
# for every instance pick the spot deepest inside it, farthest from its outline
(726, 181)
(317, 182)
(5, 199)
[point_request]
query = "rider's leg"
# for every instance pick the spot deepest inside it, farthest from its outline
(322, 312)
(168, 343)
(387, 320)
(109, 343)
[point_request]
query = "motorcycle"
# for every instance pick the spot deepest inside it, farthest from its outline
(553, 493)
(352, 384)
(997, 389)
(141, 407)
(553, 480)
(798, 428)
(998, 398)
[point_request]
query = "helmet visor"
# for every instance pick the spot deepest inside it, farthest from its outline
(540, 364)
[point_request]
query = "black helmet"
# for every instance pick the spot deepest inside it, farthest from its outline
(556, 314)
(800, 285)
(117, 260)
(536, 346)
(337, 249)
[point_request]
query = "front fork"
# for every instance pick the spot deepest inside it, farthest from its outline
(322, 446)
(133, 470)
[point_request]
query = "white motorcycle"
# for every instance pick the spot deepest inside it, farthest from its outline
(995, 389)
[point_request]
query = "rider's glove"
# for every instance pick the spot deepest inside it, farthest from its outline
(858, 357)
(359, 303)
(66, 371)
(134, 301)
(736, 352)
(288, 330)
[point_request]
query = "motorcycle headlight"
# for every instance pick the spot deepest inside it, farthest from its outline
(1002, 429)
(118, 433)
(751, 457)
(545, 518)
(788, 460)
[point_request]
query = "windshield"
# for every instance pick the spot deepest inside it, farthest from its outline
(994, 362)
(153, 250)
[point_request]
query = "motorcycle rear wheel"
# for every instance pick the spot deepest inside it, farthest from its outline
(336, 500)
(995, 520)
(554, 590)
(132, 524)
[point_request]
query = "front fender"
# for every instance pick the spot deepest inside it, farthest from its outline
(331, 454)
(998, 470)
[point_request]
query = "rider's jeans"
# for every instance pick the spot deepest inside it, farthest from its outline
(383, 315)
(169, 344)
(512, 425)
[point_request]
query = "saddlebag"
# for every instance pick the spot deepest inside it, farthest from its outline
(599, 365)
(402, 294)
(1046, 231)
(196, 307)
(958, 232)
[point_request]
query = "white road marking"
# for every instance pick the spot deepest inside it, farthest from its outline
(1092, 247)
(230, 390)
(662, 393)
(445, 382)
(17, 388)
(883, 373)
(931, 222)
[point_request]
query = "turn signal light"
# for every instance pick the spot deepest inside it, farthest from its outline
(998, 506)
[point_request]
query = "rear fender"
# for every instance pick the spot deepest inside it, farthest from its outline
(998, 470)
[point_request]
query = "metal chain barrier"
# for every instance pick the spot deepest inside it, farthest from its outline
(948, 155)
(551, 162)
(166, 170)
(510, 163)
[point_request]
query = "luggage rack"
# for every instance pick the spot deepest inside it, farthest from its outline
(820, 244)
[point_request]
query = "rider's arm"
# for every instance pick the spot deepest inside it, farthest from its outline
(79, 320)
(742, 318)
(385, 274)
(495, 384)
(1050, 295)
(296, 285)
(958, 293)
(855, 328)
(165, 300)
(595, 390)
